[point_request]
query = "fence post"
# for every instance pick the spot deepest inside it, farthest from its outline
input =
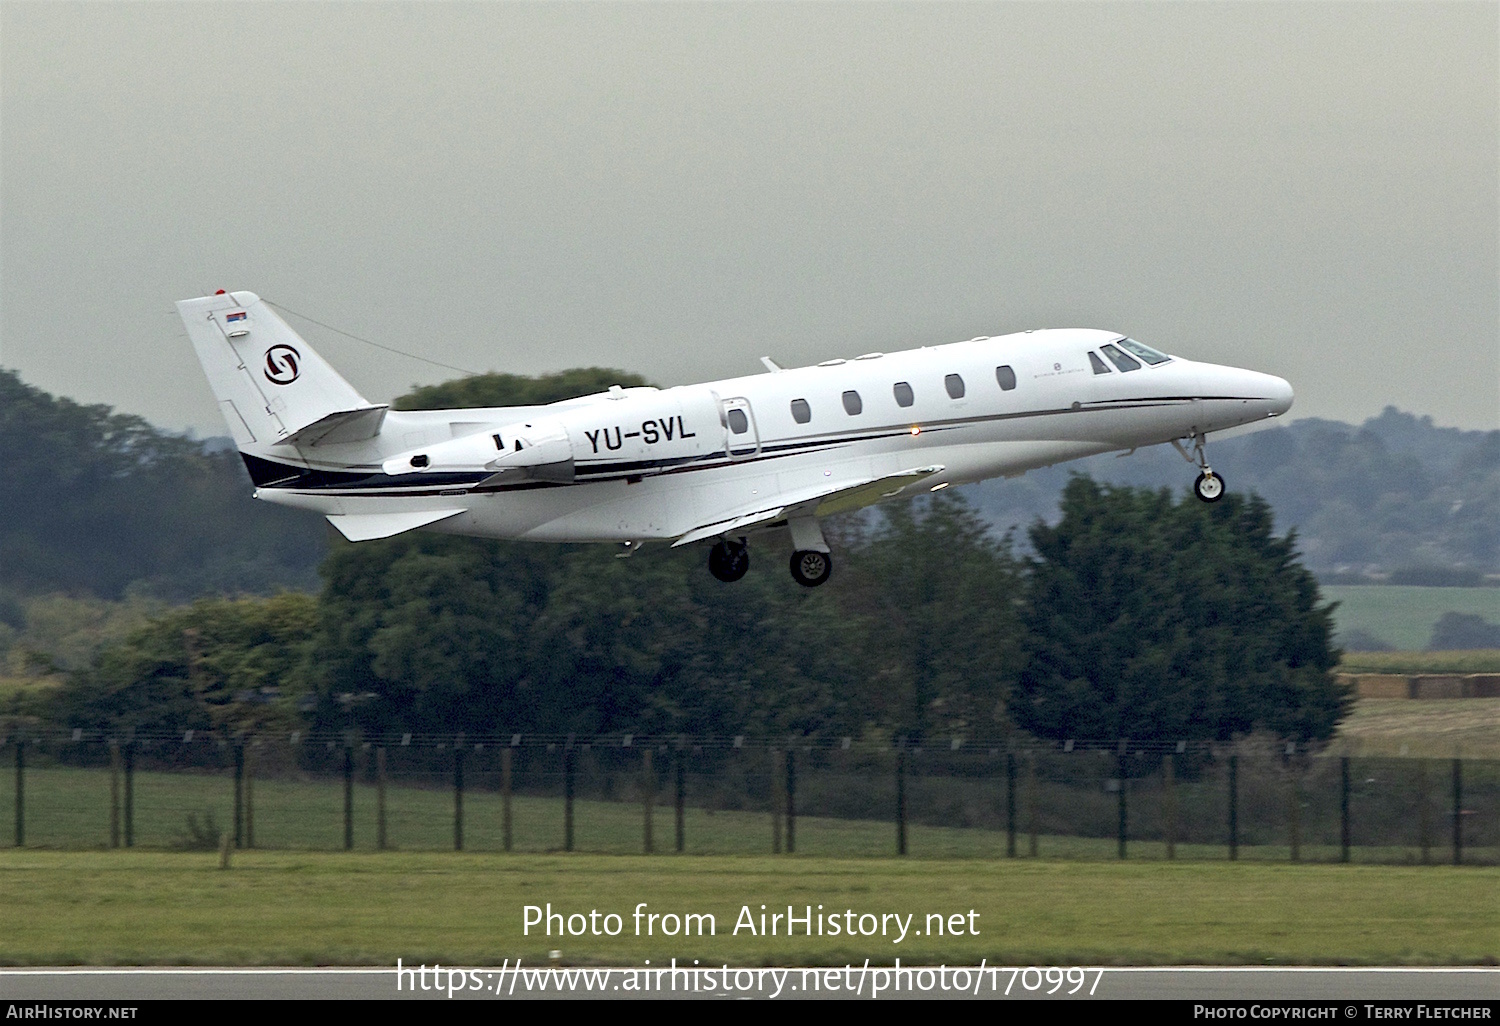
(1120, 827)
(1294, 808)
(1169, 804)
(1033, 805)
(130, 794)
(1458, 811)
(1343, 808)
(348, 797)
(1424, 814)
(569, 763)
(250, 798)
(778, 799)
(239, 796)
(648, 799)
(900, 801)
(381, 840)
(505, 786)
(20, 792)
(114, 794)
(1010, 805)
(1234, 807)
(458, 797)
(681, 799)
(791, 800)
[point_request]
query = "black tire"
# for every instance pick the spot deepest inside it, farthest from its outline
(811, 568)
(728, 561)
(1209, 487)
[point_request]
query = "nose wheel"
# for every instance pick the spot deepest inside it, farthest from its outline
(811, 568)
(1210, 486)
(729, 560)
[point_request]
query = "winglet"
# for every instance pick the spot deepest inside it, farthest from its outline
(771, 365)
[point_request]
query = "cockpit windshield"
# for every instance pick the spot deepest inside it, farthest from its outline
(1146, 353)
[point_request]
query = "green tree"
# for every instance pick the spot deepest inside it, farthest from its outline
(939, 597)
(226, 664)
(1149, 619)
(515, 389)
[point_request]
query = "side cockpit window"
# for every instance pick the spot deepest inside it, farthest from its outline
(1119, 359)
(1097, 363)
(1006, 377)
(801, 412)
(1146, 353)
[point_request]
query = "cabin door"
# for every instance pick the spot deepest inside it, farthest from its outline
(741, 439)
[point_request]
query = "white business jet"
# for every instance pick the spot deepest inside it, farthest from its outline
(712, 463)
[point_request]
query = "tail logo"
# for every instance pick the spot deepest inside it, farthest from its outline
(283, 364)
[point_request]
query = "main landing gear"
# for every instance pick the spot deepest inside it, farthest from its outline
(811, 568)
(729, 560)
(1210, 486)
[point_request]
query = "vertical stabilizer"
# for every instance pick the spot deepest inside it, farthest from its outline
(276, 393)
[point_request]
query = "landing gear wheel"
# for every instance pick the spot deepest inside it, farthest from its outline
(728, 560)
(1209, 487)
(811, 568)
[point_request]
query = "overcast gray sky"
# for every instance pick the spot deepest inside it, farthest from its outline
(677, 189)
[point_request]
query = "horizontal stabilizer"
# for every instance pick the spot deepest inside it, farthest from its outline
(369, 526)
(819, 501)
(344, 426)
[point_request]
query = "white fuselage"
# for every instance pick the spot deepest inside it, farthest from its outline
(656, 464)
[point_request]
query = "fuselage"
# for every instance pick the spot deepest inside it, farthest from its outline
(645, 464)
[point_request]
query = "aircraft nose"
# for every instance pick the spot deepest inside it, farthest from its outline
(1278, 394)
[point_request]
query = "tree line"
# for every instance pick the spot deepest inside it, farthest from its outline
(1138, 616)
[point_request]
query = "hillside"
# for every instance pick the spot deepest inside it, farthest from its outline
(1394, 497)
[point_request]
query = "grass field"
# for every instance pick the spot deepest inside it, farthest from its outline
(146, 908)
(1473, 660)
(1403, 616)
(1435, 729)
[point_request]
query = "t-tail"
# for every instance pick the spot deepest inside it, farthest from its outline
(279, 397)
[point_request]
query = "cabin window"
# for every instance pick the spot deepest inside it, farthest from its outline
(1146, 353)
(738, 422)
(1006, 377)
(903, 393)
(852, 404)
(801, 412)
(1097, 363)
(1120, 360)
(955, 386)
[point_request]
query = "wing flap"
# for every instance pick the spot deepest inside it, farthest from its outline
(818, 501)
(369, 526)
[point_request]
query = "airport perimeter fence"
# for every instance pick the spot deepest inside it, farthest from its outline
(740, 795)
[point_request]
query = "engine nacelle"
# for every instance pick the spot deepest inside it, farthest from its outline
(539, 450)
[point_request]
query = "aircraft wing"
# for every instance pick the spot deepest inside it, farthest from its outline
(819, 500)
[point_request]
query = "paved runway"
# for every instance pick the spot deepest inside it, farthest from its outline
(343, 984)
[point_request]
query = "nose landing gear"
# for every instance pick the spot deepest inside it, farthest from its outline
(1209, 487)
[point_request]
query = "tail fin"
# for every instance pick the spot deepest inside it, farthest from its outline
(276, 393)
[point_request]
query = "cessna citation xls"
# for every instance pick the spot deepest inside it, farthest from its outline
(715, 462)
